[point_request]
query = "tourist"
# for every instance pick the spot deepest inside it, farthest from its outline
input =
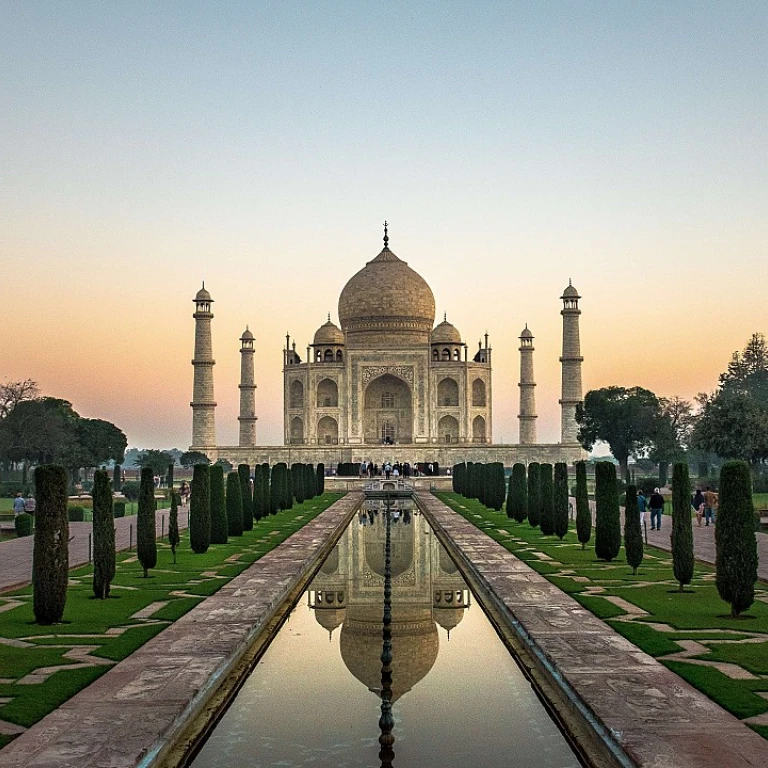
(184, 492)
(710, 505)
(395, 472)
(370, 468)
(697, 502)
(18, 504)
(642, 502)
(387, 470)
(656, 504)
(30, 505)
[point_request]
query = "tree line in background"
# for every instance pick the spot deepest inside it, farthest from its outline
(539, 493)
(731, 423)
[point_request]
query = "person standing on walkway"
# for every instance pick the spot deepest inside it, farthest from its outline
(710, 505)
(697, 502)
(656, 503)
(642, 502)
(18, 504)
(30, 505)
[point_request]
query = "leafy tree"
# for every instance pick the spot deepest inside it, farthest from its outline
(682, 532)
(517, 501)
(200, 509)
(246, 494)
(534, 494)
(219, 523)
(173, 524)
(225, 464)
(235, 503)
(633, 535)
(626, 419)
(607, 517)
(547, 520)
(672, 437)
(14, 392)
(583, 512)
(50, 557)
(190, 458)
(155, 460)
(735, 542)
(100, 442)
(560, 501)
(146, 543)
(103, 535)
(320, 472)
(748, 371)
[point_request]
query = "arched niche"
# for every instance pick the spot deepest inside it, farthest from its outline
(327, 394)
(297, 430)
(296, 397)
(447, 392)
(478, 393)
(478, 429)
(327, 431)
(448, 429)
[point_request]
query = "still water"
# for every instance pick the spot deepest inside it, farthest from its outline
(459, 698)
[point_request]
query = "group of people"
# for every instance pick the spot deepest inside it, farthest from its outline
(655, 503)
(22, 505)
(705, 505)
(387, 469)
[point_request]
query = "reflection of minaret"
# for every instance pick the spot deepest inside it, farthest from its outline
(247, 417)
(571, 362)
(527, 414)
(203, 404)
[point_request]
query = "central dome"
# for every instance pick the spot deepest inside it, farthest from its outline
(386, 303)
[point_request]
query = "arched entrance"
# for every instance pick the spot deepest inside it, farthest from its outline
(388, 411)
(327, 431)
(448, 429)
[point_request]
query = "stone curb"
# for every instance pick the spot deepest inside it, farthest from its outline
(133, 714)
(652, 717)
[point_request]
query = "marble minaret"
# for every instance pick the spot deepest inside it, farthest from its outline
(527, 414)
(203, 404)
(247, 417)
(571, 364)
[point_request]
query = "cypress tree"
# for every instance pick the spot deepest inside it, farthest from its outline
(469, 481)
(103, 535)
(560, 503)
(117, 474)
(499, 486)
(583, 512)
(146, 542)
(258, 490)
(200, 509)
(607, 517)
(547, 519)
(173, 524)
(244, 472)
(682, 525)
(50, 556)
(297, 482)
(534, 494)
(235, 503)
(320, 473)
(633, 535)
(735, 541)
(219, 523)
(455, 479)
(517, 503)
(276, 488)
(169, 478)
(265, 472)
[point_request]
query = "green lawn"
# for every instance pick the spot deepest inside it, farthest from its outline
(196, 575)
(696, 614)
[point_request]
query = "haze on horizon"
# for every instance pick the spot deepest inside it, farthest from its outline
(259, 147)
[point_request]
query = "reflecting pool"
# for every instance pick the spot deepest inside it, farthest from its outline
(459, 698)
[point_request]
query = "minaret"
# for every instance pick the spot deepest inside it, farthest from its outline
(571, 360)
(203, 404)
(527, 386)
(247, 417)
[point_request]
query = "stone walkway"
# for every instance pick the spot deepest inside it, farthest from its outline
(134, 712)
(16, 554)
(642, 710)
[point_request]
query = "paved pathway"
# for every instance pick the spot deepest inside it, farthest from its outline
(130, 715)
(643, 712)
(16, 554)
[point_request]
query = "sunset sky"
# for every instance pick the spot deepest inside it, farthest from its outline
(145, 147)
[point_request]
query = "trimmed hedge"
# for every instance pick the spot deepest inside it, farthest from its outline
(200, 509)
(583, 512)
(607, 518)
(534, 494)
(146, 542)
(24, 524)
(103, 535)
(560, 500)
(219, 523)
(682, 525)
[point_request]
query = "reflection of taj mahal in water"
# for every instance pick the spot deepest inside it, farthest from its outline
(427, 590)
(387, 377)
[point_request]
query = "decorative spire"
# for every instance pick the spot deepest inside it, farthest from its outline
(329, 317)
(445, 317)
(386, 236)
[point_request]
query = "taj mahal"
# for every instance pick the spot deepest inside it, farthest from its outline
(387, 383)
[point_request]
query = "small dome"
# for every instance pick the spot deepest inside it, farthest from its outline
(203, 295)
(570, 292)
(449, 618)
(446, 333)
(247, 335)
(329, 333)
(525, 333)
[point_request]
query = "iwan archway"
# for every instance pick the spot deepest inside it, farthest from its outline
(388, 411)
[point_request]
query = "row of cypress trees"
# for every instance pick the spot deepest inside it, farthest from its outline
(482, 481)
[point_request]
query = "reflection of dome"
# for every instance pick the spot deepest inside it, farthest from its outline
(387, 301)
(402, 549)
(415, 644)
(448, 618)
(446, 333)
(446, 564)
(331, 563)
(328, 333)
(330, 618)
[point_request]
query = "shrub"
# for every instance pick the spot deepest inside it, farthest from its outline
(118, 509)
(583, 512)
(246, 494)
(130, 489)
(682, 530)
(24, 524)
(219, 523)
(235, 502)
(75, 513)
(735, 541)
(633, 534)
(320, 473)
(103, 535)
(50, 558)
(173, 523)
(546, 520)
(517, 502)
(607, 518)
(534, 494)
(200, 509)
(560, 501)
(146, 541)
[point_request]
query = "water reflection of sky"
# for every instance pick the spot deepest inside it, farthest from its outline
(460, 699)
